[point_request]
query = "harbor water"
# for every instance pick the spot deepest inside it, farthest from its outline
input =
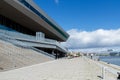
(111, 59)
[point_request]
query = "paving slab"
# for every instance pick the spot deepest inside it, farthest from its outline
(62, 69)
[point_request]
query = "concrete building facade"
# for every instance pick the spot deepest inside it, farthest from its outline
(24, 16)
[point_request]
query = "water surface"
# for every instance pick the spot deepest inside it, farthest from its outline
(111, 59)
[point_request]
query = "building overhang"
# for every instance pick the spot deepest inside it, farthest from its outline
(28, 15)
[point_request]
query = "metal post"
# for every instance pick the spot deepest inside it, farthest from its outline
(103, 73)
(118, 78)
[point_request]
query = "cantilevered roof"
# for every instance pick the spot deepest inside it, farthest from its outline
(29, 15)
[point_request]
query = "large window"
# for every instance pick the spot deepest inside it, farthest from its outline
(15, 26)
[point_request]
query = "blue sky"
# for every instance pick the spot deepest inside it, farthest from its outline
(90, 23)
(83, 14)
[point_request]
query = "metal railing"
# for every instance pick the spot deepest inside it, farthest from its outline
(106, 67)
(22, 44)
(21, 36)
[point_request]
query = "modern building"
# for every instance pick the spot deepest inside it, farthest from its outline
(23, 23)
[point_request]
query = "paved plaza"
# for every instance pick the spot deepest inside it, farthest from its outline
(61, 69)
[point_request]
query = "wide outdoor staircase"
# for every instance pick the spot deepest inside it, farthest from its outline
(13, 56)
(30, 40)
(19, 50)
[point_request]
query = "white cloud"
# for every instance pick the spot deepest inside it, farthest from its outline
(56, 1)
(98, 38)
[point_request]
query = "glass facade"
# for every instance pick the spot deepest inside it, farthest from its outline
(15, 26)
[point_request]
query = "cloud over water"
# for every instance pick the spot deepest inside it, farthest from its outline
(91, 39)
